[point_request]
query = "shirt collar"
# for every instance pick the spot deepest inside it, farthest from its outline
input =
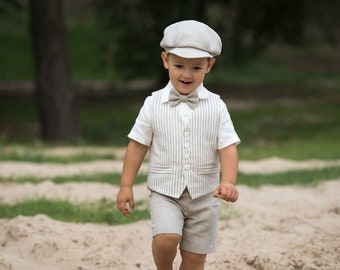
(202, 92)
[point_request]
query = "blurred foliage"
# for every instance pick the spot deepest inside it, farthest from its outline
(134, 27)
(125, 34)
(10, 7)
(134, 30)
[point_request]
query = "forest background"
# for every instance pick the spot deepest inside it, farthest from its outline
(280, 61)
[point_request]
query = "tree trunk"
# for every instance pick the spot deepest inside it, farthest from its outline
(54, 91)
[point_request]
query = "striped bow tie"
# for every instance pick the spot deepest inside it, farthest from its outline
(191, 99)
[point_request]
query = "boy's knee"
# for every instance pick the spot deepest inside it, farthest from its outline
(192, 260)
(166, 241)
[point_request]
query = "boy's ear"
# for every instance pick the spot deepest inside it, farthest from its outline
(164, 57)
(211, 64)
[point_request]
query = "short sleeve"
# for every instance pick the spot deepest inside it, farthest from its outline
(227, 134)
(142, 129)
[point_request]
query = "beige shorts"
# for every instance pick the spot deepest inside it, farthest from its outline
(195, 220)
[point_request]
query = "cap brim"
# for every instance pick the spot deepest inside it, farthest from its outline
(189, 53)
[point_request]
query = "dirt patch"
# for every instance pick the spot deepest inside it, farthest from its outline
(270, 228)
(267, 228)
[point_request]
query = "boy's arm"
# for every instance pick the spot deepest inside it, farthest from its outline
(134, 156)
(229, 167)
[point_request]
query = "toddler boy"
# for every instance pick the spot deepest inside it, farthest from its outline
(191, 139)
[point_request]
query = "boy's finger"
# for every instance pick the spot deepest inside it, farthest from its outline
(121, 205)
(132, 205)
(217, 193)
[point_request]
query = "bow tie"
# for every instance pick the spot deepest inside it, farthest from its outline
(175, 98)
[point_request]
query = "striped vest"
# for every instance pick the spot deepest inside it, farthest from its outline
(184, 155)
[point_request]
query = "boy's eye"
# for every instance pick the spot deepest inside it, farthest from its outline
(178, 66)
(197, 68)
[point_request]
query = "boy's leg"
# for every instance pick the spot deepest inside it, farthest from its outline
(199, 233)
(192, 261)
(164, 249)
(167, 223)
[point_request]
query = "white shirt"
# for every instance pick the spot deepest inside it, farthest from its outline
(142, 131)
(184, 142)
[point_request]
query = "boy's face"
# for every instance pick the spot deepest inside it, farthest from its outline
(186, 74)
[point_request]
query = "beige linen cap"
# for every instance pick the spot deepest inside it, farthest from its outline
(191, 39)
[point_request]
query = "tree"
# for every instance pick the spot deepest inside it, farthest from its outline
(55, 94)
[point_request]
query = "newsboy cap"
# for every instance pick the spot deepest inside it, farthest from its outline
(191, 39)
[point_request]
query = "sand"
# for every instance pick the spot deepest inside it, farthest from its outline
(270, 227)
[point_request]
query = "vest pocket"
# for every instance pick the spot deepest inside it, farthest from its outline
(160, 169)
(208, 170)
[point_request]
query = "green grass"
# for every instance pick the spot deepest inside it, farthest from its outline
(29, 154)
(304, 127)
(104, 211)
(307, 130)
(298, 149)
(104, 122)
(108, 178)
(302, 122)
(299, 177)
(100, 212)
(108, 121)
(310, 64)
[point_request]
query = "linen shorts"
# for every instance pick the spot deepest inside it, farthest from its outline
(195, 220)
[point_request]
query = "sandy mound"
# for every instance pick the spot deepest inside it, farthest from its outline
(271, 228)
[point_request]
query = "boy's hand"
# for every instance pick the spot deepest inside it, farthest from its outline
(124, 198)
(226, 191)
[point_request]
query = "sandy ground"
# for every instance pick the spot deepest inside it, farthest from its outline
(270, 227)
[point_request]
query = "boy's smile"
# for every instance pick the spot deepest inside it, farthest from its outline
(186, 74)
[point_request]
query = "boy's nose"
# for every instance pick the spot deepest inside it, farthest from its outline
(186, 73)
